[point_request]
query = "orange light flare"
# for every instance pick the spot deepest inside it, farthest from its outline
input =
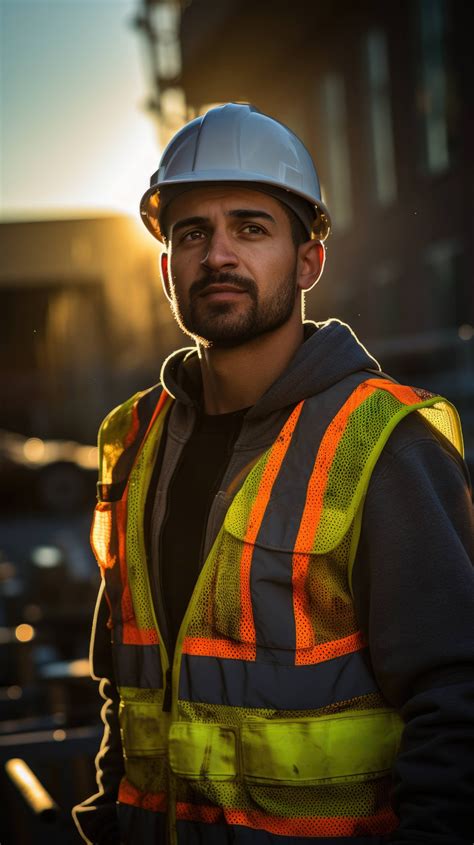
(24, 632)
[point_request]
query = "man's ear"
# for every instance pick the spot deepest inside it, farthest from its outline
(311, 260)
(165, 279)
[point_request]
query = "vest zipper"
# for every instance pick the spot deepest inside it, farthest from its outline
(158, 594)
(176, 669)
(157, 607)
(168, 691)
(164, 630)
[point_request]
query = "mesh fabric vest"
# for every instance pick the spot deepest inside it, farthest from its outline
(277, 727)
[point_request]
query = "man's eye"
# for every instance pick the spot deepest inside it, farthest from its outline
(253, 229)
(194, 235)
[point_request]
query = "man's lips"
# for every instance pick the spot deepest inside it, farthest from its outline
(223, 291)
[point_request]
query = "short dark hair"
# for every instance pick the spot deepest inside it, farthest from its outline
(299, 234)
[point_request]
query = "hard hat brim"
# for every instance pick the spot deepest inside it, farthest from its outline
(151, 207)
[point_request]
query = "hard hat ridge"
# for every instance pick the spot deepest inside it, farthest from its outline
(236, 143)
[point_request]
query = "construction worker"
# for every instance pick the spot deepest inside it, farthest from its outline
(284, 630)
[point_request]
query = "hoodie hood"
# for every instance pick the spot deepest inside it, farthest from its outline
(330, 352)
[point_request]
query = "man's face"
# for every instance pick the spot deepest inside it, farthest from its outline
(232, 265)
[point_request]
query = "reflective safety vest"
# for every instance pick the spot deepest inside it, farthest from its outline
(276, 726)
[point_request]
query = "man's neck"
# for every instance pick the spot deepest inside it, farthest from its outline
(237, 378)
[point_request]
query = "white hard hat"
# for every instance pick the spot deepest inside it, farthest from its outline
(237, 143)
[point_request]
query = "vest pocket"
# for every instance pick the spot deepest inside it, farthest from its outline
(326, 776)
(203, 751)
(144, 730)
(295, 606)
(351, 746)
(250, 594)
(345, 747)
(331, 776)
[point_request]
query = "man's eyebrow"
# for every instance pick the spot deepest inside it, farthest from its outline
(250, 212)
(239, 213)
(189, 221)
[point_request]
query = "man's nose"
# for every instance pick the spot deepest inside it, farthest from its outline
(220, 253)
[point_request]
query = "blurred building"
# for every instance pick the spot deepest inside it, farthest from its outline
(382, 95)
(84, 322)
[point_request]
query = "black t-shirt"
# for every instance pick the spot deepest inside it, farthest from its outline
(193, 487)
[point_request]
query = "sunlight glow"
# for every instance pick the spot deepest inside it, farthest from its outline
(95, 144)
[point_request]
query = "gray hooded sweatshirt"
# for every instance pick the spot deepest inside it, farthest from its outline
(413, 583)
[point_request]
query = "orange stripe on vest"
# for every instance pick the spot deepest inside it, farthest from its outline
(272, 468)
(313, 509)
(404, 394)
(380, 823)
(334, 648)
(218, 648)
(129, 794)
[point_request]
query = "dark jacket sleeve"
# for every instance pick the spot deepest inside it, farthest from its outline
(96, 817)
(414, 594)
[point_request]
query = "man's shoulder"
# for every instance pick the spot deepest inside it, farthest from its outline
(422, 443)
(415, 438)
(120, 436)
(415, 416)
(137, 407)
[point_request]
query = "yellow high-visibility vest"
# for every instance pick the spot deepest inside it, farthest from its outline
(276, 722)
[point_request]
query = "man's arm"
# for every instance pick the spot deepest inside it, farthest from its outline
(414, 595)
(96, 818)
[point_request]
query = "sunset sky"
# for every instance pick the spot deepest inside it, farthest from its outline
(75, 137)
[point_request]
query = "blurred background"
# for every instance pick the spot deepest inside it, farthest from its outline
(91, 91)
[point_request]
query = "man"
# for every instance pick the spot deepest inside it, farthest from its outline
(285, 538)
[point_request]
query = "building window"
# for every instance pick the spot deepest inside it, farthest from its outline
(447, 295)
(433, 95)
(166, 22)
(385, 279)
(339, 181)
(380, 117)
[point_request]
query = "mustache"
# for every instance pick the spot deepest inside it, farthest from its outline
(241, 282)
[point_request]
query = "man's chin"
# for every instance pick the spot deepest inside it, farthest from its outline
(231, 339)
(227, 336)
(226, 342)
(221, 341)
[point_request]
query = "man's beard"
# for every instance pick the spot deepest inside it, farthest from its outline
(215, 324)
